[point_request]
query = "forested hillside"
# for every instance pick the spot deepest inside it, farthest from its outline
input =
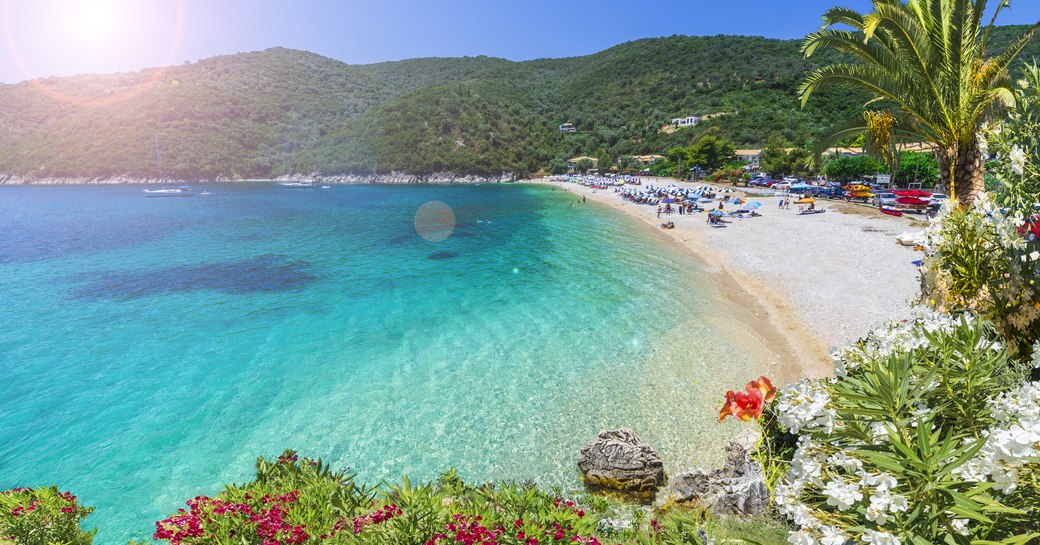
(277, 111)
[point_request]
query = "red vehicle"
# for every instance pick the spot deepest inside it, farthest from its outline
(1031, 228)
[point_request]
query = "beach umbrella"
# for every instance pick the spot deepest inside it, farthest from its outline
(715, 212)
(805, 200)
(704, 200)
(668, 201)
(752, 205)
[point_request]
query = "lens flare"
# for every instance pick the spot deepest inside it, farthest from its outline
(88, 29)
(434, 221)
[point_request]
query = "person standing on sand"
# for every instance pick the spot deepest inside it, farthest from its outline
(658, 212)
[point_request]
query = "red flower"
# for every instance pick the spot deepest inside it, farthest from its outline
(748, 405)
(764, 387)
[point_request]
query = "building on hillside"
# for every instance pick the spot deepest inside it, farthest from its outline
(567, 127)
(648, 159)
(749, 156)
(573, 162)
(689, 121)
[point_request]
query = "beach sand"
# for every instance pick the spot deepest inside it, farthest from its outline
(808, 283)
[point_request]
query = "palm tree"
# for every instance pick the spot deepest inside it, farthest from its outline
(925, 63)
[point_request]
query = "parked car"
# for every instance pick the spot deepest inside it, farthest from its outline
(885, 199)
(937, 200)
(1031, 228)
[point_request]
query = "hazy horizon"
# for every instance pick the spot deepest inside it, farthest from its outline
(70, 37)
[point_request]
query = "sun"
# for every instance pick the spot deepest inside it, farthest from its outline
(93, 23)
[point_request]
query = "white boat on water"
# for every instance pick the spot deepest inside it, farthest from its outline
(163, 191)
(298, 185)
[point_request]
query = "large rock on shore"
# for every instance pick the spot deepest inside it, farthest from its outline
(619, 460)
(739, 488)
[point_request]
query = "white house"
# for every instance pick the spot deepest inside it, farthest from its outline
(685, 121)
(568, 127)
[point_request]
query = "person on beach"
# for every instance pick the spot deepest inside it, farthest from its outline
(780, 204)
(658, 212)
(583, 199)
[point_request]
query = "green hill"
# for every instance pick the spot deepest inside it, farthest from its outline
(278, 111)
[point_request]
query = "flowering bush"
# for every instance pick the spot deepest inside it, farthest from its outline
(928, 434)
(42, 516)
(976, 260)
(296, 500)
(1016, 143)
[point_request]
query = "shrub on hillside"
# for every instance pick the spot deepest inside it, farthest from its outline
(42, 516)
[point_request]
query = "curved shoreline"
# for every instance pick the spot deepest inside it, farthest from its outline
(799, 331)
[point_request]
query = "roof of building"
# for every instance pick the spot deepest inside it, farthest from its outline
(576, 159)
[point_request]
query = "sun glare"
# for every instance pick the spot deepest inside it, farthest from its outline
(91, 36)
(93, 24)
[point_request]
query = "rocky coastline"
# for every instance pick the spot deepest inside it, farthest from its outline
(391, 178)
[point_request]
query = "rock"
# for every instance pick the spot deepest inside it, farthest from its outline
(739, 488)
(619, 460)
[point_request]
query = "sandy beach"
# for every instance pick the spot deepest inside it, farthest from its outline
(811, 282)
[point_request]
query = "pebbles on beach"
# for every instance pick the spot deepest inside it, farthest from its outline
(823, 280)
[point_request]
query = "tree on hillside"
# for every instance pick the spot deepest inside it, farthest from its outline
(680, 157)
(846, 168)
(801, 162)
(925, 63)
(774, 157)
(712, 152)
(917, 167)
(584, 166)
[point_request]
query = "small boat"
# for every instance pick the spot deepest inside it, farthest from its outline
(911, 239)
(891, 211)
(810, 212)
(297, 185)
(163, 191)
(205, 193)
(326, 187)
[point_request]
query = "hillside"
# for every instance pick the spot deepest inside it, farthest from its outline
(272, 112)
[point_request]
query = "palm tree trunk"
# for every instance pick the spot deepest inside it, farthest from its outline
(965, 167)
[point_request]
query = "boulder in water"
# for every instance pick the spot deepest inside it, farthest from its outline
(739, 488)
(618, 460)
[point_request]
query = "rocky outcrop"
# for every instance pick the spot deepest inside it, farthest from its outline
(618, 460)
(739, 488)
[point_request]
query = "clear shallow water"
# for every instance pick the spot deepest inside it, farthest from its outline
(150, 349)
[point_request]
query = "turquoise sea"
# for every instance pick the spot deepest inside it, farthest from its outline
(151, 349)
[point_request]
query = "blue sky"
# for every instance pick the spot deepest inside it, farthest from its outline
(63, 37)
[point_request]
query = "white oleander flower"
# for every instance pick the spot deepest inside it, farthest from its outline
(832, 536)
(960, 526)
(841, 494)
(801, 537)
(803, 404)
(881, 481)
(1017, 158)
(879, 538)
(1011, 443)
